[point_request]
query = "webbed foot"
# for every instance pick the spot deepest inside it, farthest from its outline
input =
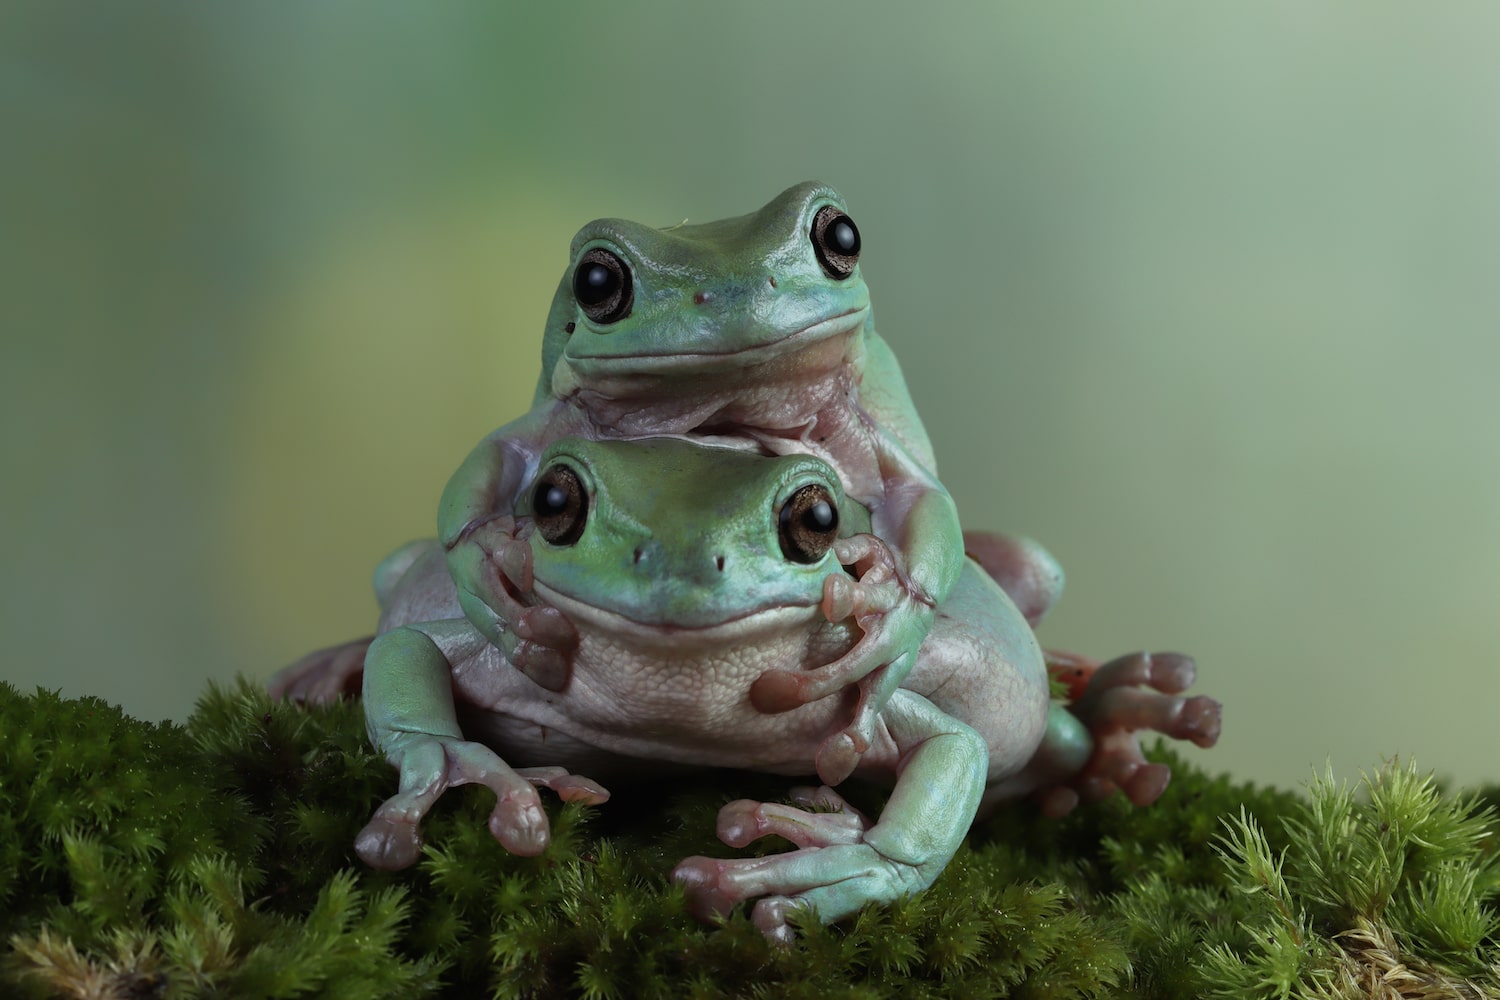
(430, 765)
(324, 675)
(1137, 693)
(842, 860)
(833, 871)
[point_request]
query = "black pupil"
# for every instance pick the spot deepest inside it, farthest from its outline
(551, 499)
(598, 281)
(819, 517)
(842, 237)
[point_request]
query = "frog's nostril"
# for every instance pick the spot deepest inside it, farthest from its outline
(701, 297)
(772, 280)
(719, 563)
(638, 554)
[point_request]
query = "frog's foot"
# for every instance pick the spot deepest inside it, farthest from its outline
(323, 676)
(1026, 572)
(1126, 696)
(430, 765)
(537, 639)
(833, 871)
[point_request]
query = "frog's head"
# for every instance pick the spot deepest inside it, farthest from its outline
(648, 308)
(668, 539)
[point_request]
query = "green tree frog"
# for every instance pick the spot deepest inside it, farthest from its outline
(688, 572)
(753, 331)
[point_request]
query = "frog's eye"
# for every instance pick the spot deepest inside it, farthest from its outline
(602, 286)
(808, 524)
(559, 505)
(835, 240)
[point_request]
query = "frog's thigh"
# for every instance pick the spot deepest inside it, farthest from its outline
(982, 665)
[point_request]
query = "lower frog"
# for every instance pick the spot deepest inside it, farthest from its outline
(689, 571)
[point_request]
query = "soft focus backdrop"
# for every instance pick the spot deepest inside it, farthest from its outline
(1205, 298)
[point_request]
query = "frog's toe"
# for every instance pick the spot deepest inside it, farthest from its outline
(547, 667)
(778, 691)
(1057, 801)
(1169, 673)
(832, 881)
(770, 916)
(708, 895)
(837, 758)
(1199, 719)
(541, 643)
(1147, 783)
(569, 787)
(520, 825)
(744, 821)
(323, 676)
(388, 844)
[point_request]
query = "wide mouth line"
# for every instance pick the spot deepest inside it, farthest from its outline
(812, 331)
(618, 621)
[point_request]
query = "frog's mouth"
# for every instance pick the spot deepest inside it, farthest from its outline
(817, 346)
(750, 627)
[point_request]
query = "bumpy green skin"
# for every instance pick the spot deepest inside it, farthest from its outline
(735, 333)
(682, 597)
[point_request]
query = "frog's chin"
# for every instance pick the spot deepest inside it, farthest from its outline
(813, 348)
(627, 627)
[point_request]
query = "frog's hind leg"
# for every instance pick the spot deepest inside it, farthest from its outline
(1092, 745)
(844, 862)
(323, 676)
(335, 672)
(1028, 573)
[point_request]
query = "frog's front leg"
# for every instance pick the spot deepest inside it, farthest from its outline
(842, 861)
(410, 716)
(489, 556)
(492, 570)
(893, 621)
(901, 576)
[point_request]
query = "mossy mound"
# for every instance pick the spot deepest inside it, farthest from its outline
(214, 860)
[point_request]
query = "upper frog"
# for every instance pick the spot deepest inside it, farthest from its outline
(753, 332)
(717, 323)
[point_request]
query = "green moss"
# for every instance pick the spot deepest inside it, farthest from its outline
(214, 860)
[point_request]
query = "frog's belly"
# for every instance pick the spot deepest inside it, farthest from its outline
(680, 696)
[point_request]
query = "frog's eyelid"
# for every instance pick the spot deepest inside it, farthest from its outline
(809, 477)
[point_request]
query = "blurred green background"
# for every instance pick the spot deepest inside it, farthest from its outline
(1206, 298)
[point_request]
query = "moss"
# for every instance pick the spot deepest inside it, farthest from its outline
(214, 860)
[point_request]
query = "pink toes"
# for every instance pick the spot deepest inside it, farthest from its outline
(1123, 699)
(744, 821)
(1199, 720)
(703, 879)
(387, 844)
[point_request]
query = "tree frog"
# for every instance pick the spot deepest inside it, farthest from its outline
(688, 572)
(753, 331)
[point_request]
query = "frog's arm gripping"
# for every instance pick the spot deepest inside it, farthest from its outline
(490, 559)
(410, 717)
(894, 600)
